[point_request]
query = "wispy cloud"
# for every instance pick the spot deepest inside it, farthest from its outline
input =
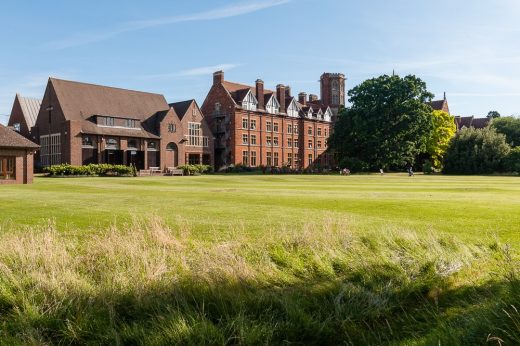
(197, 71)
(214, 14)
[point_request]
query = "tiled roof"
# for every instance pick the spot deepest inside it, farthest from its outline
(11, 139)
(80, 101)
(437, 105)
(181, 107)
(30, 108)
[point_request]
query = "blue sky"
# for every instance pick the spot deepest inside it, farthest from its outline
(471, 50)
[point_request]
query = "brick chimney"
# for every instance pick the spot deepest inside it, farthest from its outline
(218, 77)
(302, 98)
(260, 93)
(313, 98)
(287, 91)
(280, 95)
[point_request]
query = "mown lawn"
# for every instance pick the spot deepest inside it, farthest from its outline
(469, 207)
(261, 259)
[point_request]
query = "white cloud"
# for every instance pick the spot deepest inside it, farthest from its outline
(214, 14)
(197, 71)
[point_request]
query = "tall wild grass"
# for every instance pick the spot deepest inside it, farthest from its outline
(148, 283)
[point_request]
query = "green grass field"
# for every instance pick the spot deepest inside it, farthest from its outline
(248, 259)
(470, 207)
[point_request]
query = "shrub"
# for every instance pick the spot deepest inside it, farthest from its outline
(476, 151)
(354, 164)
(428, 167)
(510, 127)
(89, 170)
(513, 160)
(196, 169)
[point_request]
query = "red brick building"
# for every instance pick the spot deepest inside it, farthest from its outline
(255, 126)
(16, 157)
(81, 123)
(23, 114)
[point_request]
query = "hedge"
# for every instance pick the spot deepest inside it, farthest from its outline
(103, 169)
(196, 169)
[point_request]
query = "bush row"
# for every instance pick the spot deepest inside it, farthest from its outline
(196, 169)
(90, 170)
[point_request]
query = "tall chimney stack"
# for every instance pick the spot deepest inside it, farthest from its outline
(260, 93)
(280, 95)
(313, 98)
(287, 91)
(302, 98)
(218, 77)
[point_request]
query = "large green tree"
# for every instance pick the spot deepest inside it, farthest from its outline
(510, 127)
(443, 131)
(388, 124)
(477, 151)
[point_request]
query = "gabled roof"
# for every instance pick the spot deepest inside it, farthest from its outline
(440, 105)
(30, 108)
(181, 107)
(11, 139)
(471, 121)
(80, 101)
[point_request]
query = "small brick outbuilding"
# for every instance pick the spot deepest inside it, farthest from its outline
(16, 157)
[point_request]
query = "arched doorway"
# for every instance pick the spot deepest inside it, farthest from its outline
(172, 155)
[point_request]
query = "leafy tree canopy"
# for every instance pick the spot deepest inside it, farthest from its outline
(443, 131)
(477, 151)
(510, 127)
(388, 124)
(493, 114)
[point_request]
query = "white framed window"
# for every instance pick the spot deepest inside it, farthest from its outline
(252, 124)
(269, 126)
(319, 144)
(295, 142)
(195, 138)
(275, 159)
(253, 158)
(268, 141)
(289, 159)
(249, 101)
(245, 123)
(319, 131)
(309, 143)
(112, 143)
(275, 127)
(289, 128)
(293, 109)
(50, 149)
(269, 159)
(253, 139)
(275, 141)
(245, 158)
(245, 139)
(130, 123)
(289, 142)
(272, 106)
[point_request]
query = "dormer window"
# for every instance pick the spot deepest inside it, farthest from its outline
(249, 102)
(108, 121)
(293, 109)
(272, 106)
(130, 123)
(327, 115)
(17, 127)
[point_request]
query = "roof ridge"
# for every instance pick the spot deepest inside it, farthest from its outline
(103, 86)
